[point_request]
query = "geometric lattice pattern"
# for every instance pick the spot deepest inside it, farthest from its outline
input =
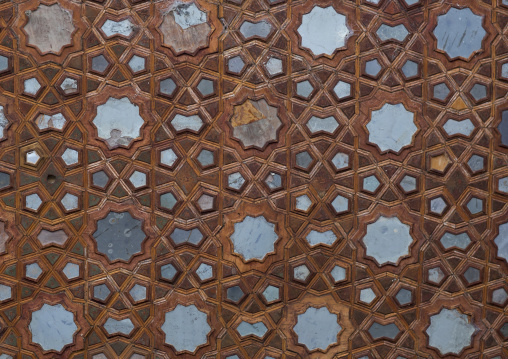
(256, 179)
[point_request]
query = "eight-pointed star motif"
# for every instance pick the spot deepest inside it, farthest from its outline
(52, 327)
(186, 328)
(255, 123)
(119, 236)
(450, 331)
(118, 122)
(392, 127)
(323, 31)
(459, 33)
(387, 240)
(49, 28)
(185, 28)
(254, 238)
(317, 328)
(192, 17)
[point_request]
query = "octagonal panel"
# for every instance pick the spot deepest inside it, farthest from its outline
(258, 329)
(378, 331)
(182, 236)
(261, 29)
(56, 121)
(182, 123)
(327, 124)
(464, 127)
(450, 240)
(386, 32)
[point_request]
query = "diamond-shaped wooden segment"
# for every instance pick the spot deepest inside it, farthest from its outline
(264, 179)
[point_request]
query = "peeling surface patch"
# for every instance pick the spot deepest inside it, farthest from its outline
(255, 123)
(50, 28)
(112, 28)
(185, 29)
(118, 122)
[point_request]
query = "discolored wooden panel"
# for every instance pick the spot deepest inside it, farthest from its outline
(265, 179)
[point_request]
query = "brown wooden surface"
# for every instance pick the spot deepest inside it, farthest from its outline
(187, 179)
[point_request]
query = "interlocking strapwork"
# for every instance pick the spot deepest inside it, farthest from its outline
(253, 179)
